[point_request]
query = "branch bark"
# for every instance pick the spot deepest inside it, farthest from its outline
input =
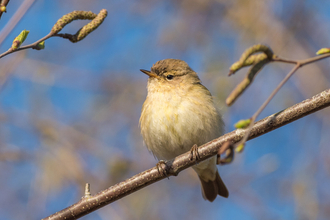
(173, 167)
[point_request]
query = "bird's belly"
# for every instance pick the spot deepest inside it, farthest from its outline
(172, 128)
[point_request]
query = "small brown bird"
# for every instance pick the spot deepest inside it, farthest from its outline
(178, 113)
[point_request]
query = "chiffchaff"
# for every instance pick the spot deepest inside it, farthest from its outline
(178, 113)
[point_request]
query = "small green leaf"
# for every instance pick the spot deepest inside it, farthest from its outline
(323, 51)
(40, 46)
(243, 123)
(240, 148)
(19, 39)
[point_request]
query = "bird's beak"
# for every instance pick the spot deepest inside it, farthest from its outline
(150, 74)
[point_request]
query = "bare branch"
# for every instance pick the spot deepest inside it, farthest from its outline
(173, 167)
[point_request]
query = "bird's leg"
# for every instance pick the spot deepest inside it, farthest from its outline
(194, 153)
(161, 169)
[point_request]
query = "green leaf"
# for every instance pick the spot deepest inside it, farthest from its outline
(243, 123)
(19, 39)
(240, 148)
(323, 51)
(40, 45)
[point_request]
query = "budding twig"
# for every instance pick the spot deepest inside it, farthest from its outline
(66, 19)
(268, 57)
(26, 4)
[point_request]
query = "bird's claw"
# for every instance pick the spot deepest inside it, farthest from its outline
(160, 167)
(194, 155)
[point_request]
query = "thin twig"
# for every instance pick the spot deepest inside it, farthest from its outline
(282, 60)
(33, 45)
(263, 106)
(313, 59)
(302, 62)
(97, 20)
(175, 166)
(298, 64)
(15, 19)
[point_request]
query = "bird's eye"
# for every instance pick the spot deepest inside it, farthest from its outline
(169, 77)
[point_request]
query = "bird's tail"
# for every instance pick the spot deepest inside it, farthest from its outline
(212, 188)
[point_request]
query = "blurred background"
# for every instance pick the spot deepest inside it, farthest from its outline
(69, 114)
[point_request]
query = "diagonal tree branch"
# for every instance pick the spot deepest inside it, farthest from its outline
(89, 204)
